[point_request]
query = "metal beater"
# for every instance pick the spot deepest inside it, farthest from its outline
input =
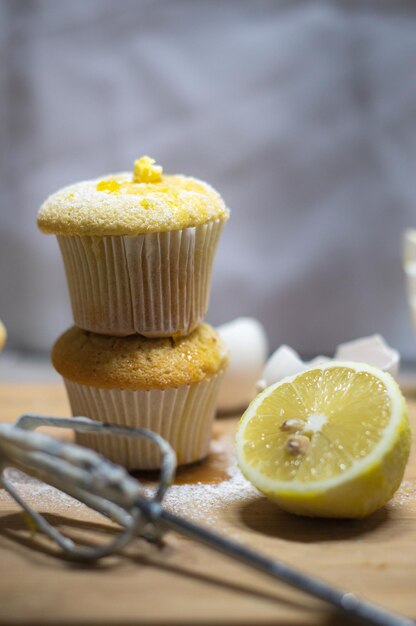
(110, 490)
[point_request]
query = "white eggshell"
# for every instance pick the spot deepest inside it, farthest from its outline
(372, 350)
(317, 361)
(283, 362)
(248, 345)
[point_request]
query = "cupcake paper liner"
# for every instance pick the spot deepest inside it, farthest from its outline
(156, 284)
(183, 416)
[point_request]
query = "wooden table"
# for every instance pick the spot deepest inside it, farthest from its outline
(182, 582)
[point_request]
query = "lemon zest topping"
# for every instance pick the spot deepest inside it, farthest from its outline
(145, 171)
(110, 185)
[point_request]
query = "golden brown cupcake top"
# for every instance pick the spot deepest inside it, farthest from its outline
(144, 201)
(137, 362)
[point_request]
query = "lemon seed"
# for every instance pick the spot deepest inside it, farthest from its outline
(293, 425)
(298, 444)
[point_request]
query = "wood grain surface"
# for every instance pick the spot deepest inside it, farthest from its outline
(181, 582)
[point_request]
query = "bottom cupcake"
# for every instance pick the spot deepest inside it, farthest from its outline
(167, 385)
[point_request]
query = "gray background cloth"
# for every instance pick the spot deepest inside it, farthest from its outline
(301, 113)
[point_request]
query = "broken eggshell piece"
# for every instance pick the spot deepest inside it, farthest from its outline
(284, 362)
(247, 342)
(372, 350)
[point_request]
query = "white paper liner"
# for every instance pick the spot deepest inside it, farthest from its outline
(156, 285)
(183, 416)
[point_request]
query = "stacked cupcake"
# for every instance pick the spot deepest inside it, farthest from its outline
(138, 252)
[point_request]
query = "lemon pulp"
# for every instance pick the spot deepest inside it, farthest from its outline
(331, 441)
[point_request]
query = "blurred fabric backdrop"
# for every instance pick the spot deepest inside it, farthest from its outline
(301, 113)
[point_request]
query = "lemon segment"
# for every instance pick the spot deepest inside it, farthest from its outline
(332, 441)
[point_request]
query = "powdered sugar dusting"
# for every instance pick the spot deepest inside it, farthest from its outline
(406, 494)
(41, 496)
(207, 503)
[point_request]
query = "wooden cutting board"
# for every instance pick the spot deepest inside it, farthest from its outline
(181, 582)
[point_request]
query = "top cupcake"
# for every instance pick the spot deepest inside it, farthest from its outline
(145, 201)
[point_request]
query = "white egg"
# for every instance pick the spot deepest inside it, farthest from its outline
(248, 345)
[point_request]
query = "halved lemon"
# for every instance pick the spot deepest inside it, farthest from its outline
(332, 441)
